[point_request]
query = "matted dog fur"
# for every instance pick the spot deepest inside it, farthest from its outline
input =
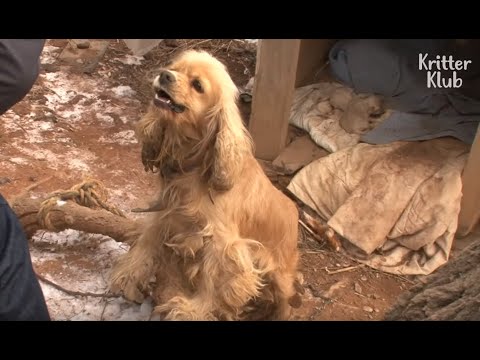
(222, 240)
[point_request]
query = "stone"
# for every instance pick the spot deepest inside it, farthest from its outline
(357, 287)
(82, 43)
(368, 309)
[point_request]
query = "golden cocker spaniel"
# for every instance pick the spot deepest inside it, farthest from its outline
(222, 239)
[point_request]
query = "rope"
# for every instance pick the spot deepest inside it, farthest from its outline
(90, 193)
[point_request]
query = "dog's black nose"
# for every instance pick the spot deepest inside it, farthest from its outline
(166, 77)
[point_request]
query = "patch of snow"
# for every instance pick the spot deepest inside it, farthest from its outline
(61, 202)
(73, 159)
(123, 91)
(58, 267)
(123, 138)
(19, 161)
(67, 237)
(106, 119)
(7, 165)
(32, 131)
(131, 60)
(75, 114)
(42, 155)
(66, 86)
(78, 164)
(49, 54)
(45, 125)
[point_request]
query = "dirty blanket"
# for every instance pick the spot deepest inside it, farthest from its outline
(395, 205)
(319, 109)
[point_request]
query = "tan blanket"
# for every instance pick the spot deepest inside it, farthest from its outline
(396, 205)
(333, 115)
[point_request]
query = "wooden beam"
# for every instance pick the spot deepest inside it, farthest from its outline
(470, 208)
(275, 78)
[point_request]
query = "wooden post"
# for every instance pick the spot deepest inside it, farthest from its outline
(272, 95)
(470, 208)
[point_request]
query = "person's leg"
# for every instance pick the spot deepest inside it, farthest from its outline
(19, 68)
(21, 297)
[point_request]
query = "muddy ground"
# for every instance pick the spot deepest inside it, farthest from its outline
(74, 125)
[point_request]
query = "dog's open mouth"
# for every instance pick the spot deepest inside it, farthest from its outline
(164, 100)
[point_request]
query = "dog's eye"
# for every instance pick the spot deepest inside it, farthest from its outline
(197, 85)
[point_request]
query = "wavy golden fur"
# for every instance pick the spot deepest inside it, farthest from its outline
(222, 238)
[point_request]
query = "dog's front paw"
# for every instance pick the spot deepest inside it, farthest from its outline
(129, 288)
(180, 308)
(131, 282)
(131, 275)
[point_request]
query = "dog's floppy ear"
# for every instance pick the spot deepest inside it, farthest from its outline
(232, 143)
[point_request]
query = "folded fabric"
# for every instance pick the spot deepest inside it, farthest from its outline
(395, 205)
(312, 111)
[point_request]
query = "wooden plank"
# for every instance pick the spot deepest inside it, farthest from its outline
(312, 57)
(470, 208)
(272, 95)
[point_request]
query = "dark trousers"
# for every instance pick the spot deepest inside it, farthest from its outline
(19, 68)
(21, 296)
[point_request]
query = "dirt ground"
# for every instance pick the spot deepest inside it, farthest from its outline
(74, 125)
